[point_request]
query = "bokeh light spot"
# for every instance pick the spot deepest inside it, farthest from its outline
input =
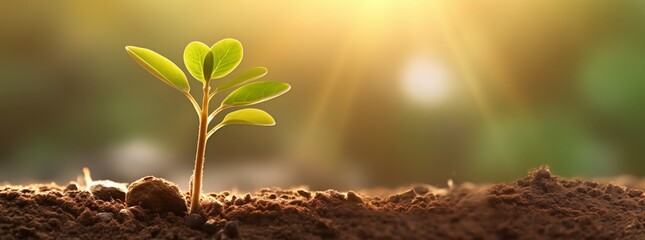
(425, 81)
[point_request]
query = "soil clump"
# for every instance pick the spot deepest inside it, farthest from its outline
(538, 206)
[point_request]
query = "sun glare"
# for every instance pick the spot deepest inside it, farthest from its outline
(425, 81)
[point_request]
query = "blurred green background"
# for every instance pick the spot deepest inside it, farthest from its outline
(384, 93)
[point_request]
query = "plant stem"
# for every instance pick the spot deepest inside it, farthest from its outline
(192, 101)
(196, 188)
(212, 115)
(212, 94)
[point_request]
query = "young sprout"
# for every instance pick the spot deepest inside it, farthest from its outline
(205, 64)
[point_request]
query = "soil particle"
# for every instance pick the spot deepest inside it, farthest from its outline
(213, 226)
(230, 231)
(107, 190)
(138, 211)
(542, 173)
(354, 198)
(104, 216)
(72, 186)
(25, 232)
(54, 223)
(323, 228)
(156, 195)
(635, 193)
(304, 194)
(403, 197)
(420, 190)
(613, 189)
(125, 214)
(151, 232)
(538, 206)
(87, 218)
(195, 221)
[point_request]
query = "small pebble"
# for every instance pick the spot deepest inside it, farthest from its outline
(105, 216)
(195, 221)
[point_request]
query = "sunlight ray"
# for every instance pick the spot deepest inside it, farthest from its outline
(356, 75)
(443, 16)
(330, 83)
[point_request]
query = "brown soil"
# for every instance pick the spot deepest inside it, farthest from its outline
(539, 206)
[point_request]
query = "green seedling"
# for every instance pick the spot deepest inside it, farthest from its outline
(205, 64)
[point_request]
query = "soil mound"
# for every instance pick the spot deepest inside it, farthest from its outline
(539, 206)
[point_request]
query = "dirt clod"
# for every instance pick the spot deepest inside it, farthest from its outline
(125, 214)
(105, 216)
(87, 218)
(156, 195)
(635, 193)
(25, 232)
(304, 194)
(542, 173)
(230, 230)
(531, 208)
(420, 190)
(54, 223)
(107, 190)
(138, 212)
(324, 228)
(195, 221)
(213, 226)
(72, 186)
(354, 198)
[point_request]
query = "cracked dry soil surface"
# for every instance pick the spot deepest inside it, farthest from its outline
(538, 206)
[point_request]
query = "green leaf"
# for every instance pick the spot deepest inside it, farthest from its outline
(208, 64)
(228, 54)
(159, 66)
(256, 92)
(249, 75)
(194, 55)
(250, 116)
